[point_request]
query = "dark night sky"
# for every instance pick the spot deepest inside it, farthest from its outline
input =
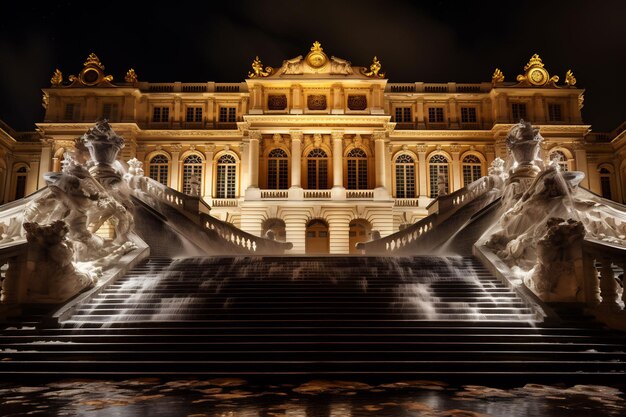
(435, 41)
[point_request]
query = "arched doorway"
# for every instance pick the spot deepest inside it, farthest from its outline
(275, 228)
(317, 240)
(360, 231)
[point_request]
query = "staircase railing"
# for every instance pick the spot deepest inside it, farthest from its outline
(12, 268)
(196, 209)
(602, 262)
(439, 210)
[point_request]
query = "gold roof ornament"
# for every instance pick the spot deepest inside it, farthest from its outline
(131, 76)
(57, 78)
(92, 74)
(374, 69)
(536, 75)
(497, 77)
(316, 58)
(570, 80)
(257, 69)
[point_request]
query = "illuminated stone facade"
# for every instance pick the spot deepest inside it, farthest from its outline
(318, 151)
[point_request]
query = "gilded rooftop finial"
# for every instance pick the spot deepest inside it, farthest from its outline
(131, 76)
(536, 75)
(374, 69)
(570, 80)
(497, 77)
(57, 78)
(257, 69)
(317, 47)
(93, 60)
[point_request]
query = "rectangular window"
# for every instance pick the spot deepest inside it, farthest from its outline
(435, 114)
(110, 112)
(468, 115)
(605, 185)
(228, 114)
(518, 111)
(72, 111)
(194, 114)
(404, 115)
(554, 112)
(161, 114)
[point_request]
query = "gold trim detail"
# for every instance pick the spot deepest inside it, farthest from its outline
(374, 69)
(570, 80)
(536, 75)
(131, 76)
(497, 77)
(57, 78)
(257, 69)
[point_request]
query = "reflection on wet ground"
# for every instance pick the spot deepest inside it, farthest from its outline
(231, 397)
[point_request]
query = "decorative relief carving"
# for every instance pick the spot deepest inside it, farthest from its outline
(357, 102)
(277, 139)
(336, 134)
(455, 148)
(316, 102)
(254, 134)
(317, 139)
(276, 102)
(296, 135)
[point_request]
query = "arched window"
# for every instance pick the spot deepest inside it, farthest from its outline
(159, 168)
(192, 165)
(357, 169)
(405, 176)
(472, 169)
(605, 183)
(560, 159)
(317, 170)
(226, 177)
(277, 170)
(20, 182)
(438, 169)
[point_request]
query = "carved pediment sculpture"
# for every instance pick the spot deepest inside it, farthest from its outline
(91, 75)
(536, 75)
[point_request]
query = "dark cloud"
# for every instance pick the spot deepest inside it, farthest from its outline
(438, 41)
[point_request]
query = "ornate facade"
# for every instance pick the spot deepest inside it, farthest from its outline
(317, 151)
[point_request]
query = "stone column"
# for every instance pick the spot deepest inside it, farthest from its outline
(455, 150)
(580, 155)
(32, 178)
(174, 179)
(454, 114)
(45, 159)
(421, 166)
(539, 110)
(209, 152)
(295, 228)
(490, 154)
(253, 192)
(338, 190)
(420, 116)
(339, 231)
(295, 191)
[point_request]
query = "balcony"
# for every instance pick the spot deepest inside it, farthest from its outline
(274, 194)
(224, 202)
(406, 202)
(317, 194)
(359, 194)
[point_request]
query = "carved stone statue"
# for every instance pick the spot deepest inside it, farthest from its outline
(558, 251)
(53, 278)
(293, 66)
(194, 185)
(442, 185)
(340, 66)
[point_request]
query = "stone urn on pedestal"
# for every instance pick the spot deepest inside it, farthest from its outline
(103, 145)
(523, 141)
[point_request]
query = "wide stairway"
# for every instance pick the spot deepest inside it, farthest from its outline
(325, 316)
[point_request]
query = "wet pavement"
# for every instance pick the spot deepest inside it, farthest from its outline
(232, 397)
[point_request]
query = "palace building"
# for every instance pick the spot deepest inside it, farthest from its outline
(317, 151)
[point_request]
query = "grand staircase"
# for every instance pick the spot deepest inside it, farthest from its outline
(325, 316)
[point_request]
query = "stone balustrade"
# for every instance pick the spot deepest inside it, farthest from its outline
(604, 265)
(198, 210)
(439, 210)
